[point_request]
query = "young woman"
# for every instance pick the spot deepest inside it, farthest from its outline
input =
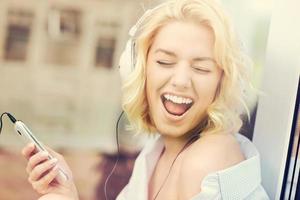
(187, 87)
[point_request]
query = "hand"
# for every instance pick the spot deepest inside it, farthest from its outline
(43, 172)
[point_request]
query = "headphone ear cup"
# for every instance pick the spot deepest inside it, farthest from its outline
(126, 63)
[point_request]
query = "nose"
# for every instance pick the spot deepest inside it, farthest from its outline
(181, 77)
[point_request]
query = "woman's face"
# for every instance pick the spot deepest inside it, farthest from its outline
(181, 77)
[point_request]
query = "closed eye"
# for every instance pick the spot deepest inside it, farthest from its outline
(164, 63)
(201, 69)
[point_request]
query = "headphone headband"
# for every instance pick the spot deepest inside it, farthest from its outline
(128, 56)
(146, 14)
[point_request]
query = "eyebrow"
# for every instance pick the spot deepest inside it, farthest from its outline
(165, 52)
(170, 53)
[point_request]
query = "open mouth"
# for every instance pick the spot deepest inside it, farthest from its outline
(176, 105)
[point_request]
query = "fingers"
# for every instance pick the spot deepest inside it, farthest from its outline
(42, 185)
(36, 159)
(29, 150)
(42, 170)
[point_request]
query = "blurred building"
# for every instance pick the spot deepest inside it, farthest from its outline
(59, 74)
(59, 67)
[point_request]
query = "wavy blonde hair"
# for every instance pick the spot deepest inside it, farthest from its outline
(223, 115)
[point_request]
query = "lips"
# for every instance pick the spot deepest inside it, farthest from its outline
(176, 105)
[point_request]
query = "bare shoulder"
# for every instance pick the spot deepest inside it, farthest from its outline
(214, 152)
(209, 154)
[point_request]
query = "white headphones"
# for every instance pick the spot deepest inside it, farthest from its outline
(128, 56)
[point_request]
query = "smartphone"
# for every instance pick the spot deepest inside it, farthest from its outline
(24, 131)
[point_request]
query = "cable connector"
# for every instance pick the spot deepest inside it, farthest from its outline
(12, 119)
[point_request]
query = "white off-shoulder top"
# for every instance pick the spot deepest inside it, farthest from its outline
(239, 182)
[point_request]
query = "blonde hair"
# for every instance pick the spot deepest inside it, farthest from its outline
(223, 115)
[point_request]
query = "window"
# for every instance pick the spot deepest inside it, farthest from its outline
(17, 35)
(105, 52)
(106, 35)
(63, 42)
(63, 24)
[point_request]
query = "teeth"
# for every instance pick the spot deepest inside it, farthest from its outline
(177, 99)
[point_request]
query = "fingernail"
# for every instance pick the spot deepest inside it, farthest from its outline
(44, 154)
(53, 161)
(55, 167)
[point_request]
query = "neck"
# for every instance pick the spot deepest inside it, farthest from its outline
(173, 145)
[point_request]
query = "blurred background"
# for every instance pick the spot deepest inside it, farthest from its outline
(59, 75)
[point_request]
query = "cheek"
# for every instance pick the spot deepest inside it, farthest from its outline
(155, 81)
(150, 90)
(155, 77)
(206, 90)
